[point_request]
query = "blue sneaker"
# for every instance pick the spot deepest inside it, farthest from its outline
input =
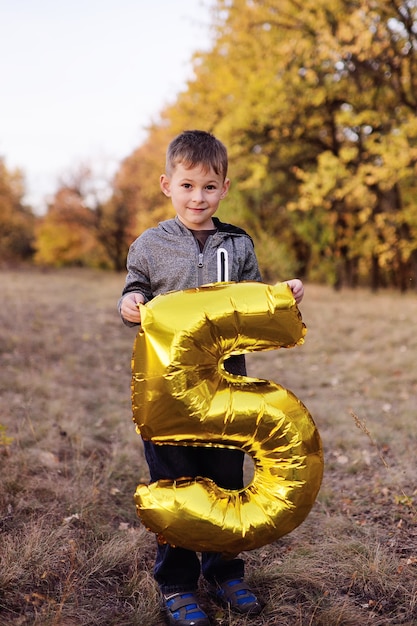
(182, 609)
(237, 595)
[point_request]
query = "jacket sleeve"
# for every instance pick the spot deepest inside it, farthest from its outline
(137, 278)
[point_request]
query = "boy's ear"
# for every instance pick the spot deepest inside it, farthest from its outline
(225, 189)
(165, 185)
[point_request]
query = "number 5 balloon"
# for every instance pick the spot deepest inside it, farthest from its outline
(182, 395)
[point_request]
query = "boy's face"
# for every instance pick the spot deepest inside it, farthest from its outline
(195, 194)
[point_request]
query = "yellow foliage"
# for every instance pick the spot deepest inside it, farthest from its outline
(66, 235)
(16, 220)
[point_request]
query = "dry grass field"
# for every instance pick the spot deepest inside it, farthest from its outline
(72, 552)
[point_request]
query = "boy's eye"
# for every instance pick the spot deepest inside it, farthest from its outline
(210, 187)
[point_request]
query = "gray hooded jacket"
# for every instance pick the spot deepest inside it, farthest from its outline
(168, 258)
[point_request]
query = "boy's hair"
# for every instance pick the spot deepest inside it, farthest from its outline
(197, 147)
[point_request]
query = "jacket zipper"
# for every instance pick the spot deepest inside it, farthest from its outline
(200, 261)
(200, 268)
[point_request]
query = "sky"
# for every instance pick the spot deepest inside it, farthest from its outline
(81, 80)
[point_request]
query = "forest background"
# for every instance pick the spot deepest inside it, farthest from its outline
(316, 102)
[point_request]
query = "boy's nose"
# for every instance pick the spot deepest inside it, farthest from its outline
(198, 195)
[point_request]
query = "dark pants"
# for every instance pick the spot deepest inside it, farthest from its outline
(178, 569)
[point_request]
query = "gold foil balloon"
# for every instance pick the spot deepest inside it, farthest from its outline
(182, 395)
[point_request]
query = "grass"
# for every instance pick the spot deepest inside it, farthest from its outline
(72, 552)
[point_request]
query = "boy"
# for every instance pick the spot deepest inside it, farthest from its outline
(193, 249)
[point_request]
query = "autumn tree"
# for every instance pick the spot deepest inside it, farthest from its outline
(17, 221)
(137, 180)
(114, 226)
(327, 123)
(67, 235)
(88, 223)
(362, 185)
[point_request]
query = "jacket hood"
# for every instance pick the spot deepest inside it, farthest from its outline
(176, 227)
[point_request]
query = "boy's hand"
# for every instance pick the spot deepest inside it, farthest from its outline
(129, 307)
(297, 289)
